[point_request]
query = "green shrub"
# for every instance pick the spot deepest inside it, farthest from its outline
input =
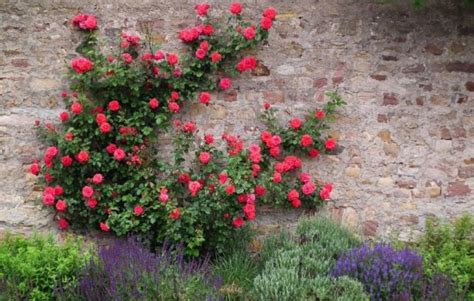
(298, 268)
(449, 249)
(339, 289)
(31, 268)
(237, 271)
(279, 241)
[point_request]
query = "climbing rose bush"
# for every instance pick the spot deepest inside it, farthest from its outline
(101, 170)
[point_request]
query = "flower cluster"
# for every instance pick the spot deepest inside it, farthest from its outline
(100, 169)
(388, 274)
(302, 135)
(124, 270)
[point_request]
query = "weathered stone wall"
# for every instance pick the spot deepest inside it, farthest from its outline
(406, 136)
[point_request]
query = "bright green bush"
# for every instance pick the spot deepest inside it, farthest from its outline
(449, 249)
(298, 268)
(31, 268)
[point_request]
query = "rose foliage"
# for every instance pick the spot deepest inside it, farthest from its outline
(101, 170)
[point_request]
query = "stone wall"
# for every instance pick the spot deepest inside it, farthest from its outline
(406, 136)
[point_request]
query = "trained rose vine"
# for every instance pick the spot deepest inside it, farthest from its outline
(101, 170)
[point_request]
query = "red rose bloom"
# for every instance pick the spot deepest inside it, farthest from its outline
(249, 210)
(100, 118)
(238, 222)
(194, 187)
(330, 144)
(48, 199)
(184, 178)
(173, 107)
(249, 33)
(58, 190)
(154, 103)
(247, 63)
(97, 178)
(266, 105)
(175, 214)
(296, 203)
(76, 108)
(200, 53)
(306, 140)
(64, 116)
(230, 189)
(87, 192)
(158, 55)
(35, 168)
(81, 65)
(91, 203)
(204, 98)
(84, 22)
(222, 178)
(189, 127)
(313, 153)
(208, 139)
(270, 12)
(69, 136)
(293, 195)
(127, 58)
(255, 157)
(204, 45)
(82, 157)
(276, 177)
(207, 30)
(63, 223)
(225, 83)
(138, 210)
(308, 188)
(105, 128)
(188, 35)
(119, 154)
(164, 195)
(275, 151)
(295, 123)
(104, 227)
(319, 114)
(61, 206)
(235, 8)
(175, 95)
(325, 192)
(48, 177)
(147, 56)
(266, 23)
(260, 190)
(66, 161)
(216, 57)
(111, 148)
(305, 177)
(255, 170)
(114, 105)
(201, 9)
(172, 58)
(204, 157)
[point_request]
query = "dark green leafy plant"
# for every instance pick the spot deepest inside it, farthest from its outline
(449, 249)
(101, 171)
(31, 268)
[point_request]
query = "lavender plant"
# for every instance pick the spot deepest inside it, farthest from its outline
(390, 274)
(126, 271)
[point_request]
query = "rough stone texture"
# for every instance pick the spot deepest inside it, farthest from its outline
(406, 135)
